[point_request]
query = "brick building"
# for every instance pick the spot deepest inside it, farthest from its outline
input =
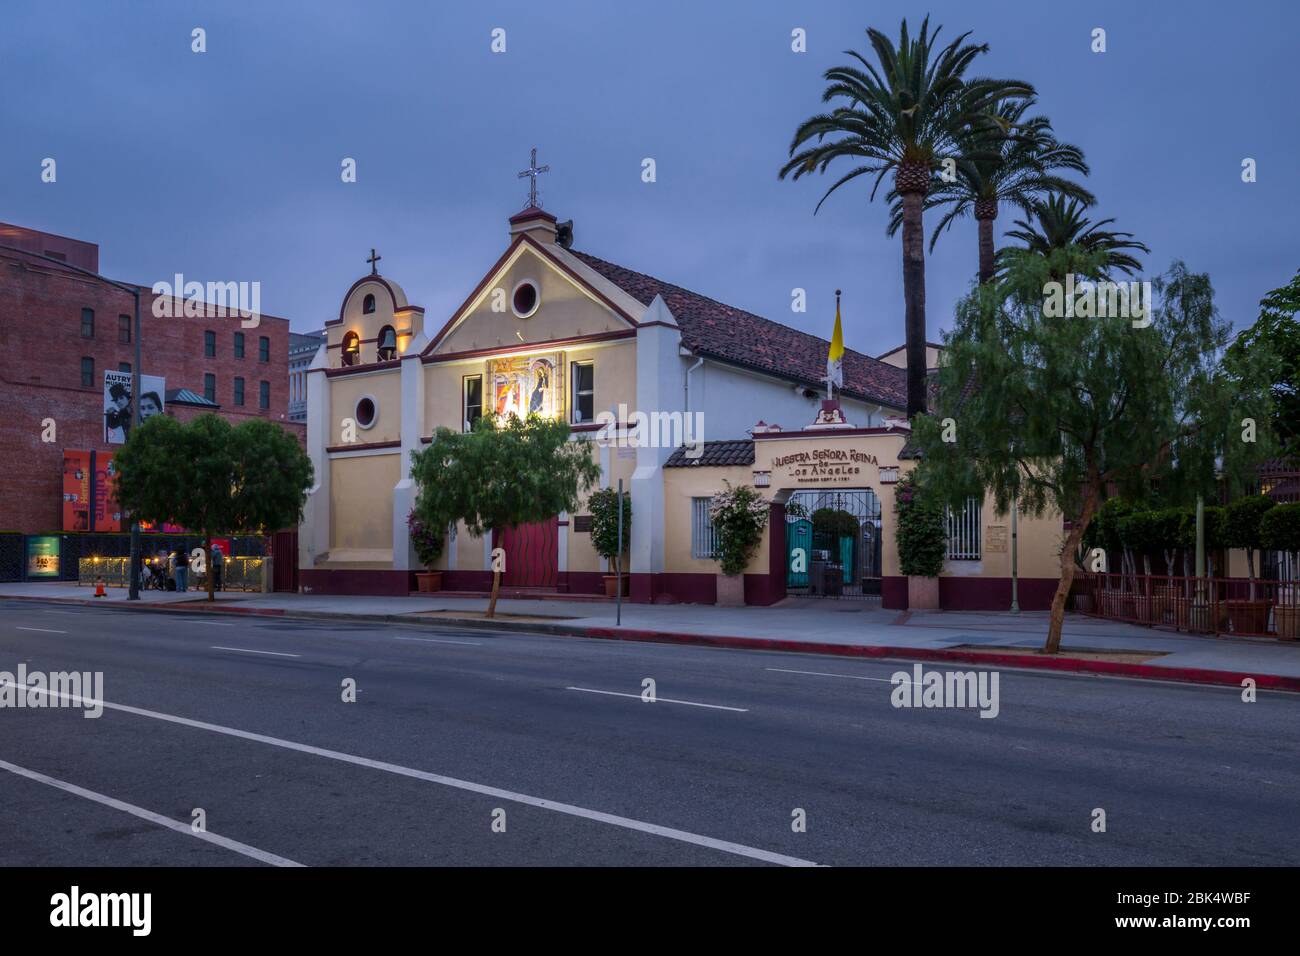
(60, 331)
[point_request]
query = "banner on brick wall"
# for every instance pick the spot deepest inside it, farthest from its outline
(119, 409)
(78, 473)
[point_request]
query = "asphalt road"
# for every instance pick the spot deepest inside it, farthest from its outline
(244, 719)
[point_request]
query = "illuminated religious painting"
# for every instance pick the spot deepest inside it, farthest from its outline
(528, 385)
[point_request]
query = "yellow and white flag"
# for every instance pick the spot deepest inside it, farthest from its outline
(835, 357)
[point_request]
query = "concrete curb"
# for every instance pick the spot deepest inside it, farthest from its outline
(1192, 675)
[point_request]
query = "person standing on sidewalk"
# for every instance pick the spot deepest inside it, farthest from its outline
(171, 570)
(218, 559)
(182, 569)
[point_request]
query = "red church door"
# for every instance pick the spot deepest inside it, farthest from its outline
(532, 554)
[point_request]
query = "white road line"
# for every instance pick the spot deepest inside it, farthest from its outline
(214, 623)
(431, 640)
(782, 670)
(43, 630)
(162, 821)
(627, 823)
(245, 650)
(659, 700)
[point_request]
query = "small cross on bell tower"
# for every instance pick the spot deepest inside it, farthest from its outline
(374, 269)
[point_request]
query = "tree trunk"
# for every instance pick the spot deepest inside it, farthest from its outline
(986, 250)
(1250, 570)
(212, 568)
(496, 589)
(1053, 644)
(914, 297)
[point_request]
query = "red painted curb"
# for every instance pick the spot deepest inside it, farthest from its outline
(1193, 675)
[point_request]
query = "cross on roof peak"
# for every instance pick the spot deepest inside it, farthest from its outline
(374, 269)
(532, 172)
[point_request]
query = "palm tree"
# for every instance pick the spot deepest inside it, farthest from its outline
(904, 117)
(1007, 159)
(1059, 223)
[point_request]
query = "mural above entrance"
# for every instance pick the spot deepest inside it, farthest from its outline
(528, 384)
(824, 465)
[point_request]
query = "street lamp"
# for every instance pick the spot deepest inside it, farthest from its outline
(134, 592)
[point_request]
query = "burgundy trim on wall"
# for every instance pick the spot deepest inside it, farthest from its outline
(362, 446)
(346, 581)
(582, 582)
(994, 594)
(364, 279)
(831, 433)
(370, 367)
(467, 580)
(893, 593)
(530, 347)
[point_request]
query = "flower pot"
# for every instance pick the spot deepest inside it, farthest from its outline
(611, 584)
(1287, 618)
(1248, 617)
(922, 593)
(731, 590)
(428, 581)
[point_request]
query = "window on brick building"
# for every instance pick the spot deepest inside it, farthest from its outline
(87, 372)
(263, 349)
(87, 323)
(239, 391)
(239, 345)
(124, 367)
(210, 387)
(124, 329)
(210, 344)
(264, 394)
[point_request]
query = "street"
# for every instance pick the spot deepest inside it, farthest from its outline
(477, 748)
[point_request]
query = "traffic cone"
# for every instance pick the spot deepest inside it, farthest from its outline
(99, 588)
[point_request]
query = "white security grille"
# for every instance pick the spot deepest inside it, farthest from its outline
(964, 532)
(703, 542)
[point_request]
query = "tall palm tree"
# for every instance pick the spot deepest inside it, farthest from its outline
(1006, 158)
(903, 115)
(1058, 223)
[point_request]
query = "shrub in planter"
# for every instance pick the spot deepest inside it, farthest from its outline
(427, 539)
(739, 516)
(603, 506)
(922, 534)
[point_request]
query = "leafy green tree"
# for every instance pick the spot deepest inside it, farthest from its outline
(1278, 330)
(739, 516)
(904, 114)
(1241, 528)
(503, 474)
(1006, 158)
(1057, 411)
(1279, 530)
(1058, 223)
(213, 478)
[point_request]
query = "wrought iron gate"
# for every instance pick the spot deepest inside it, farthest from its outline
(833, 544)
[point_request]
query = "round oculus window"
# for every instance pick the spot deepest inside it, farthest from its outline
(526, 299)
(366, 411)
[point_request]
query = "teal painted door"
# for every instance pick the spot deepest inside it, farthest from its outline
(798, 534)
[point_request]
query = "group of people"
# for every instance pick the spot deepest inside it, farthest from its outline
(170, 570)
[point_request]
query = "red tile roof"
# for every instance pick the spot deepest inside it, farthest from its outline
(733, 335)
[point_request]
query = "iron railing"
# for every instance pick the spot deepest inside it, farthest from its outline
(1222, 606)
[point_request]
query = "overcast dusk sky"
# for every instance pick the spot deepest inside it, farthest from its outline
(225, 165)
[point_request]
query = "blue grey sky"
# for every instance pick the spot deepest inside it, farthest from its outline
(225, 165)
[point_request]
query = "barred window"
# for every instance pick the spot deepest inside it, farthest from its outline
(703, 542)
(964, 531)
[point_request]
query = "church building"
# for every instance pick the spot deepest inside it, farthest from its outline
(702, 393)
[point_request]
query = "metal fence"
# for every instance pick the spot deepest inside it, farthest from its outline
(1236, 606)
(704, 543)
(964, 532)
(237, 574)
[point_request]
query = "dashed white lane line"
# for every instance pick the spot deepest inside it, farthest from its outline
(659, 700)
(225, 842)
(246, 650)
(214, 623)
(782, 670)
(432, 640)
(598, 816)
(43, 630)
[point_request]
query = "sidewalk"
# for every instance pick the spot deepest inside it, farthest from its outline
(843, 628)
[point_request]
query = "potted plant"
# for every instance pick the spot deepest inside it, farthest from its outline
(427, 539)
(1241, 530)
(739, 516)
(603, 506)
(1279, 530)
(922, 541)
